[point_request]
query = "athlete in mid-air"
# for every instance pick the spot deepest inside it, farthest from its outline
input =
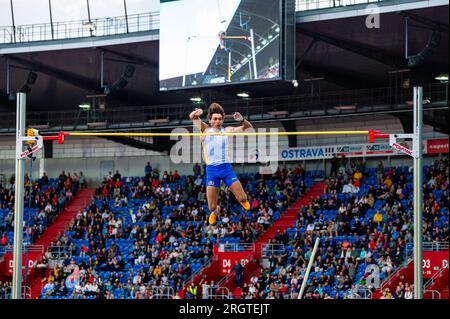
(215, 149)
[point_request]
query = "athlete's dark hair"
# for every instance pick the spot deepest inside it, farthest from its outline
(215, 108)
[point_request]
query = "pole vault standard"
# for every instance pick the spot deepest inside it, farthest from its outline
(251, 38)
(18, 198)
(37, 144)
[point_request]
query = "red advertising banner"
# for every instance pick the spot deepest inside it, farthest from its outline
(433, 261)
(437, 146)
(29, 259)
(227, 259)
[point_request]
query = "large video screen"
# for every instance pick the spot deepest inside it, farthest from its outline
(217, 42)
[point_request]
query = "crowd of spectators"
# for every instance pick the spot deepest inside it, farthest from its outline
(5, 289)
(44, 198)
(370, 226)
(141, 237)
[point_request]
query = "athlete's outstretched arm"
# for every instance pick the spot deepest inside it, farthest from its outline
(195, 117)
(239, 129)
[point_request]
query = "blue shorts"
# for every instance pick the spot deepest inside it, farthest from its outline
(216, 173)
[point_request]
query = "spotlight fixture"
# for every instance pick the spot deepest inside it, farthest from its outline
(442, 77)
(32, 76)
(118, 85)
(89, 26)
(129, 71)
(84, 106)
(196, 99)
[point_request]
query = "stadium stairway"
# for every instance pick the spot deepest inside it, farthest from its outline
(438, 288)
(79, 202)
(403, 274)
(286, 221)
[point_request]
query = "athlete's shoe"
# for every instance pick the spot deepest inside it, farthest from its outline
(246, 205)
(212, 217)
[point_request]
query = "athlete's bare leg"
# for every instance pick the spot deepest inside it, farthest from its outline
(239, 193)
(212, 195)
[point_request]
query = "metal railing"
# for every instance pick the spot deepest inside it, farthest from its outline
(25, 294)
(220, 293)
(192, 277)
(306, 5)
(362, 293)
(384, 100)
(434, 294)
(162, 292)
(236, 247)
(25, 249)
(80, 29)
(427, 246)
(125, 24)
(58, 252)
(225, 279)
(268, 250)
(433, 278)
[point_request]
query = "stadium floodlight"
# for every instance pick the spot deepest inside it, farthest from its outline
(196, 99)
(442, 77)
(89, 26)
(84, 106)
(244, 94)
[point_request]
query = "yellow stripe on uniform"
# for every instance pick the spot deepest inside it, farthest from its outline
(204, 154)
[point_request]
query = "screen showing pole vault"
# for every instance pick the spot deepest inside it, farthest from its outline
(217, 42)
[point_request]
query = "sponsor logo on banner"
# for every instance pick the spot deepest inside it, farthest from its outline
(379, 149)
(29, 261)
(355, 150)
(350, 150)
(402, 149)
(437, 146)
(303, 153)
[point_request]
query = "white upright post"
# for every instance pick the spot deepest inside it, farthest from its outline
(255, 73)
(18, 205)
(310, 263)
(229, 66)
(417, 155)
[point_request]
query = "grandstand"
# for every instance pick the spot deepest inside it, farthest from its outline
(115, 207)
